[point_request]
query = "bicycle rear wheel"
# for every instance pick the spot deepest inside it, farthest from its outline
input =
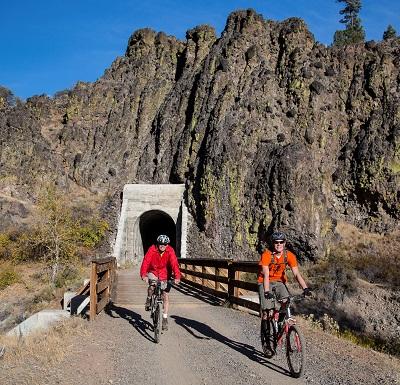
(268, 338)
(295, 351)
(157, 320)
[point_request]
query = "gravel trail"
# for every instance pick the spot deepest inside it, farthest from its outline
(204, 345)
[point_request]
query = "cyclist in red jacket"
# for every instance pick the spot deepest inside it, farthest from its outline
(159, 260)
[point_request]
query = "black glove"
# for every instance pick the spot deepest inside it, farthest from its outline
(307, 292)
(268, 295)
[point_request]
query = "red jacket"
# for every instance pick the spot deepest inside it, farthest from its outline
(160, 265)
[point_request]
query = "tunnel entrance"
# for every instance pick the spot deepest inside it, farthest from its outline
(153, 223)
(146, 212)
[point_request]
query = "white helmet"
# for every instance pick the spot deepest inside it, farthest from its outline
(163, 239)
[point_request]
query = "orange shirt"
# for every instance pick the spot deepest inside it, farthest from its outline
(276, 269)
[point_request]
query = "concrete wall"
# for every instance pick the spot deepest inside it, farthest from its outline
(142, 198)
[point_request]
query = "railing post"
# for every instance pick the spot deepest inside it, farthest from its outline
(217, 274)
(233, 291)
(108, 277)
(93, 292)
(237, 278)
(193, 279)
(184, 274)
(203, 281)
(231, 277)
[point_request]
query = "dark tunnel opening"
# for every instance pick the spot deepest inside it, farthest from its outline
(152, 224)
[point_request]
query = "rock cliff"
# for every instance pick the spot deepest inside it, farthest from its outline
(267, 128)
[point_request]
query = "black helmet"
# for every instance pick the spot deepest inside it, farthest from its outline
(163, 239)
(278, 236)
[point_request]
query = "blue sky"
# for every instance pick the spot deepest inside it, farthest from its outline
(49, 45)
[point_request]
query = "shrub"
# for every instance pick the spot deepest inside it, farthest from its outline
(67, 276)
(92, 233)
(5, 242)
(8, 276)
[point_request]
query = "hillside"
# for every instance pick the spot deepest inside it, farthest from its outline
(266, 127)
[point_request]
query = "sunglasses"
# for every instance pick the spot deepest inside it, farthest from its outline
(279, 242)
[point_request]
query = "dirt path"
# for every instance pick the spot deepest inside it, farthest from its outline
(205, 344)
(200, 347)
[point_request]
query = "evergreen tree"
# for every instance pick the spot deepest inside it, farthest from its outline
(389, 33)
(354, 32)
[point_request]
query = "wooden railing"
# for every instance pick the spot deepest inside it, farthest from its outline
(102, 280)
(223, 278)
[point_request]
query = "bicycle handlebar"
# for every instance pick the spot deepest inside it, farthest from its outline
(296, 297)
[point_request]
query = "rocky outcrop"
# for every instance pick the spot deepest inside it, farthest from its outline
(267, 128)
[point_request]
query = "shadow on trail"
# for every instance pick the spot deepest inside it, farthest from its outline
(135, 319)
(191, 291)
(202, 331)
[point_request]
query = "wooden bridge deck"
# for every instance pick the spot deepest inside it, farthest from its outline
(130, 290)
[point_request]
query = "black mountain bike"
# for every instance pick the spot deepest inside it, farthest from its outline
(284, 336)
(156, 309)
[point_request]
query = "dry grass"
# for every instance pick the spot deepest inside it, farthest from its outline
(46, 347)
(33, 292)
(369, 256)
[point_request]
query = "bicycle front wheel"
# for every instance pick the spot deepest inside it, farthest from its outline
(157, 323)
(295, 351)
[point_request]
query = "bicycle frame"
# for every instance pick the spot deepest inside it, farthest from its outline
(156, 297)
(288, 339)
(287, 321)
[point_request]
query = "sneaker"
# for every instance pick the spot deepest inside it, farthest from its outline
(147, 305)
(165, 324)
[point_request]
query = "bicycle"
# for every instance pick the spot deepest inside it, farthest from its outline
(284, 335)
(156, 309)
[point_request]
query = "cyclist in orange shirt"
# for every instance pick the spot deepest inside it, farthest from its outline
(272, 277)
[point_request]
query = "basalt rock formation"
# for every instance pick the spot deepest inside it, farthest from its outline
(266, 127)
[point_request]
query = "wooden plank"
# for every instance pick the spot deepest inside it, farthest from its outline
(93, 294)
(109, 281)
(211, 277)
(102, 304)
(245, 303)
(209, 290)
(248, 267)
(222, 263)
(83, 289)
(104, 284)
(250, 286)
(102, 267)
(231, 287)
(217, 282)
(236, 288)
(103, 260)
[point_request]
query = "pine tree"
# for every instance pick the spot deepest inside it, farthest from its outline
(389, 33)
(354, 32)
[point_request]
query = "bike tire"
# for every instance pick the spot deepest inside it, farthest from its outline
(267, 334)
(295, 351)
(157, 323)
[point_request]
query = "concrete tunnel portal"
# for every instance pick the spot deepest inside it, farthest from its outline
(146, 212)
(153, 223)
